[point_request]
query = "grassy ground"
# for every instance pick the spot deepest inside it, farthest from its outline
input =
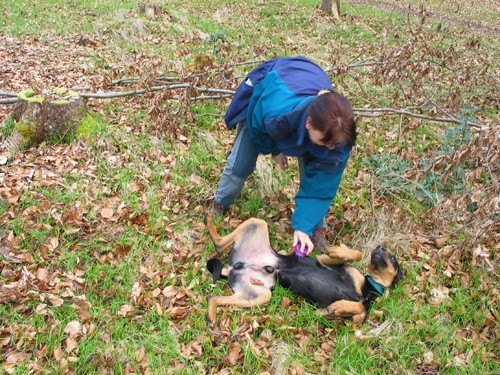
(102, 245)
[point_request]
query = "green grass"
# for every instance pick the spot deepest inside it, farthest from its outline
(52, 16)
(158, 186)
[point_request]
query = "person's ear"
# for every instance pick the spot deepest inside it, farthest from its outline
(308, 122)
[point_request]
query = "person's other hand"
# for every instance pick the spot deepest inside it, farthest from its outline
(305, 241)
(281, 160)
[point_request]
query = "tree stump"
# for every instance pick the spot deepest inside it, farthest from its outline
(151, 10)
(331, 6)
(49, 116)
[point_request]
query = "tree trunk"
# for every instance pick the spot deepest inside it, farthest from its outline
(326, 6)
(40, 117)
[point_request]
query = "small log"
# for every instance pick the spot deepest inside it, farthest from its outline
(42, 117)
(151, 10)
(332, 7)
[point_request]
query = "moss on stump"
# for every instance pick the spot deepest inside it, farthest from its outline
(49, 116)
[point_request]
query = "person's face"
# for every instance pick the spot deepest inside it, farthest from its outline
(315, 135)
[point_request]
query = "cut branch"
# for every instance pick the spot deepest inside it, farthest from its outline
(118, 94)
(223, 94)
(361, 112)
(378, 112)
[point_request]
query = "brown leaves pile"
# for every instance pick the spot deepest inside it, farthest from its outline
(482, 157)
(32, 283)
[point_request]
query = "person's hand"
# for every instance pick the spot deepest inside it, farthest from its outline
(305, 241)
(281, 160)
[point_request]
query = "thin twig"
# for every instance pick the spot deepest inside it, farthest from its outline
(118, 94)
(209, 115)
(372, 196)
(377, 112)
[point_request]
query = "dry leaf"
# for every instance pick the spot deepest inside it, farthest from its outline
(141, 354)
(71, 344)
(170, 291)
(107, 213)
(55, 300)
(41, 309)
(73, 328)
(234, 354)
(125, 310)
(58, 352)
(54, 242)
(14, 358)
(123, 250)
(136, 292)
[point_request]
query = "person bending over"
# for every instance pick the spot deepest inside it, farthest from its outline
(287, 107)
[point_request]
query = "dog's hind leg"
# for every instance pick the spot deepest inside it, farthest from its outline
(237, 299)
(339, 255)
(225, 243)
(222, 244)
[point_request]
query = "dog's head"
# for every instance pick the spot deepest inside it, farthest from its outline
(384, 267)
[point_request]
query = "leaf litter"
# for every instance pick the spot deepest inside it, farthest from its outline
(31, 273)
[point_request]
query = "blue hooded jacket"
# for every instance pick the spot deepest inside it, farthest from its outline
(273, 99)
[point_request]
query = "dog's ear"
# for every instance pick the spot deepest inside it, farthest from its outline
(397, 267)
(215, 266)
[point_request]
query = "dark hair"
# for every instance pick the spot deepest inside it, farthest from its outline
(331, 114)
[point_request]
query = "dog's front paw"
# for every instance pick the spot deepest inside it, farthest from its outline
(343, 254)
(210, 322)
(336, 309)
(344, 308)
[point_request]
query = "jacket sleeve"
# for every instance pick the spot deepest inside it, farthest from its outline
(317, 189)
(277, 129)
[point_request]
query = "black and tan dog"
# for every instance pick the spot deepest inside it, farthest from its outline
(327, 281)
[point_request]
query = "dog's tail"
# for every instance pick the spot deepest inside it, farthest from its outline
(215, 267)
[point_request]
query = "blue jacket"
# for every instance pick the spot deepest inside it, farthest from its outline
(273, 99)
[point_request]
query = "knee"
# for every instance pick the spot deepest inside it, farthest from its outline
(243, 169)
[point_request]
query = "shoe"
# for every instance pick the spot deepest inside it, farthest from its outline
(319, 240)
(218, 209)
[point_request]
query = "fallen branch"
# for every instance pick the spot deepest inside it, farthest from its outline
(11, 100)
(120, 94)
(3, 93)
(361, 112)
(378, 112)
(8, 101)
